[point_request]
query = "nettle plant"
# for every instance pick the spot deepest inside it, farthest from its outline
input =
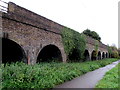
(74, 44)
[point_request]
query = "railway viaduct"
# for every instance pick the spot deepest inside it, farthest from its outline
(30, 37)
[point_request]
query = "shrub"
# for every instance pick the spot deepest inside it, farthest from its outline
(92, 34)
(113, 51)
(114, 54)
(74, 44)
(45, 75)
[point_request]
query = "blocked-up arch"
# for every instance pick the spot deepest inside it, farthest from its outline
(49, 53)
(93, 55)
(12, 52)
(99, 55)
(86, 55)
(103, 55)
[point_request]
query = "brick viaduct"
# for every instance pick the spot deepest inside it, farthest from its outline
(30, 37)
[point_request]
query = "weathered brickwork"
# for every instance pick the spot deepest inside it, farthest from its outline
(33, 32)
(92, 42)
(31, 36)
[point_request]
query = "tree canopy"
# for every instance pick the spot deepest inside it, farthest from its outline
(92, 34)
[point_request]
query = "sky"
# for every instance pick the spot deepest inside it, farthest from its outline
(100, 16)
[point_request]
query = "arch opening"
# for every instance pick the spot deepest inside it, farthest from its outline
(12, 52)
(99, 55)
(109, 55)
(103, 55)
(74, 56)
(93, 56)
(106, 55)
(86, 55)
(49, 53)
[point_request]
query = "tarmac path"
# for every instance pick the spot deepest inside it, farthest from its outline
(90, 79)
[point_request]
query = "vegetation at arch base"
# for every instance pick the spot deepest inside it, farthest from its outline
(96, 48)
(74, 44)
(95, 36)
(43, 76)
(113, 51)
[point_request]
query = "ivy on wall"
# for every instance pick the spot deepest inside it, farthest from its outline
(74, 44)
(96, 48)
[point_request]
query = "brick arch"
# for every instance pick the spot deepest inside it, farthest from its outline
(48, 53)
(99, 55)
(103, 55)
(86, 55)
(107, 55)
(33, 32)
(93, 57)
(12, 51)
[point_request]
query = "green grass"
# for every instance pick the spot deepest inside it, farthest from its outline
(110, 80)
(46, 75)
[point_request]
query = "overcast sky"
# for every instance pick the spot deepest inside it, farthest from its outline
(97, 15)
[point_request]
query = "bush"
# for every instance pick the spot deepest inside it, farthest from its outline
(92, 34)
(45, 75)
(74, 44)
(114, 54)
(113, 51)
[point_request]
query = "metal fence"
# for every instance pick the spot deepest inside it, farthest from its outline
(3, 6)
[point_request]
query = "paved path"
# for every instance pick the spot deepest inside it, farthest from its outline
(89, 79)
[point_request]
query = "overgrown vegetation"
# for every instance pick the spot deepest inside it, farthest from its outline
(119, 52)
(0, 78)
(45, 75)
(96, 49)
(92, 34)
(110, 80)
(113, 51)
(74, 44)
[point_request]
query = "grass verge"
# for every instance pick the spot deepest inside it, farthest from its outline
(110, 80)
(46, 75)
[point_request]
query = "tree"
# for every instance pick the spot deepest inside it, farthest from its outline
(92, 34)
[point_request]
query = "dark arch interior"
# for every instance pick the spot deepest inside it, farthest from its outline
(103, 55)
(93, 56)
(106, 55)
(109, 55)
(49, 53)
(11, 51)
(74, 56)
(99, 55)
(86, 55)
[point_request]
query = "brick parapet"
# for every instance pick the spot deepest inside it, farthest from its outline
(23, 15)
